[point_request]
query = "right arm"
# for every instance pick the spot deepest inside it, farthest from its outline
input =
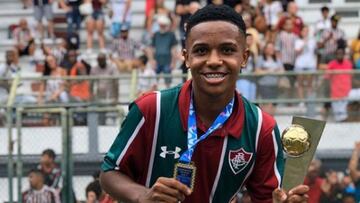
(124, 163)
(354, 161)
(121, 187)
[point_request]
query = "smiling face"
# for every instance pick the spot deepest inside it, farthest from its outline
(215, 52)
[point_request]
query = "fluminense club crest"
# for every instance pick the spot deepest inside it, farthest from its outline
(239, 159)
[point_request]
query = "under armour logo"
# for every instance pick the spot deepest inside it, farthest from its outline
(166, 152)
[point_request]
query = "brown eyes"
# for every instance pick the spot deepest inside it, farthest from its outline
(204, 50)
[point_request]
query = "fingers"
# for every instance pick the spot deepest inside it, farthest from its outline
(169, 190)
(171, 182)
(299, 190)
(298, 199)
(279, 195)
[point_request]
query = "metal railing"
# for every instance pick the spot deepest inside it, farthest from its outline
(96, 106)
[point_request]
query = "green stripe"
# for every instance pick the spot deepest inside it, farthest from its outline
(229, 183)
(170, 135)
(132, 120)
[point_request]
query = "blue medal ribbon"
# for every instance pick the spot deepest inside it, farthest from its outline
(192, 129)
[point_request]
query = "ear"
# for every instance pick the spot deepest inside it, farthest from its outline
(245, 56)
(186, 57)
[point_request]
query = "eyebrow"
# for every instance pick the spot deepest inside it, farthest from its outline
(196, 44)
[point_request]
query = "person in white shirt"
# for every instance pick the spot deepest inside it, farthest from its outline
(322, 24)
(146, 76)
(7, 71)
(120, 15)
(305, 48)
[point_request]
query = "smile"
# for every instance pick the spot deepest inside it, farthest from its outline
(214, 78)
(214, 75)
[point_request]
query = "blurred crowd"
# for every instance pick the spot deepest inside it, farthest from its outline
(277, 38)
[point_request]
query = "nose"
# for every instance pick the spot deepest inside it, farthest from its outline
(214, 59)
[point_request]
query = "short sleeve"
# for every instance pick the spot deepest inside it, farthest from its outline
(121, 154)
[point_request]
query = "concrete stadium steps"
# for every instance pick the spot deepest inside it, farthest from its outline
(11, 12)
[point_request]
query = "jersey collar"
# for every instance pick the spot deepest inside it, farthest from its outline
(233, 126)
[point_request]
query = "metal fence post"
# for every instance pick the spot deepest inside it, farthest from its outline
(19, 164)
(10, 151)
(66, 117)
(9, 106)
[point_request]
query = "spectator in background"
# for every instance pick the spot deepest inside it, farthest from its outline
(95, 194)
(348, 198)
(291, 13)
(147, 76)
(123, 50)
(44, 8)
(120, 16)
(95, 22)
(248, 8)
(305, 48)
(255, 36)
(246, 85)
(24, 39)
(159, 11)
(322, 24)
(164, 48)
(38, 191)
(52, 90)
(50, 170)
(340, 84)
(355, 51)
(331, 187)
(184, 9)
(285, 47)
(235, 4)
(354, 171)
(80, 88)
(69, 60)
(314, 181)
(329, 40)
(73, 16)
(272, 11)
(104, 90)
(267, 84)
(8, 71)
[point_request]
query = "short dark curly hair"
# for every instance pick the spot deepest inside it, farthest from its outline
(214, 13)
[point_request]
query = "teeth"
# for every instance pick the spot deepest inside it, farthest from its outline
(214, 75)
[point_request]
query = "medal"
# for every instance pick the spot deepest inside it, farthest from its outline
(185, 173)
(185, 170)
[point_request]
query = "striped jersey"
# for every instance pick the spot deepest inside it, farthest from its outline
(245, 151)
(45, 195)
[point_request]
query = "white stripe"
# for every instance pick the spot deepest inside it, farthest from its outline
(260, 118)
(156, 130)
(131, 139)
(219, 170)
(276, 170)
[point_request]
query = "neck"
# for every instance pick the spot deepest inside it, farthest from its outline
(208, 107)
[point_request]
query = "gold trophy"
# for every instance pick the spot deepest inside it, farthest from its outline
(300, 141)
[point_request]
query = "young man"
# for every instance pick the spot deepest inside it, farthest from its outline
(39, 192)
(50, 170)
(244, 151)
